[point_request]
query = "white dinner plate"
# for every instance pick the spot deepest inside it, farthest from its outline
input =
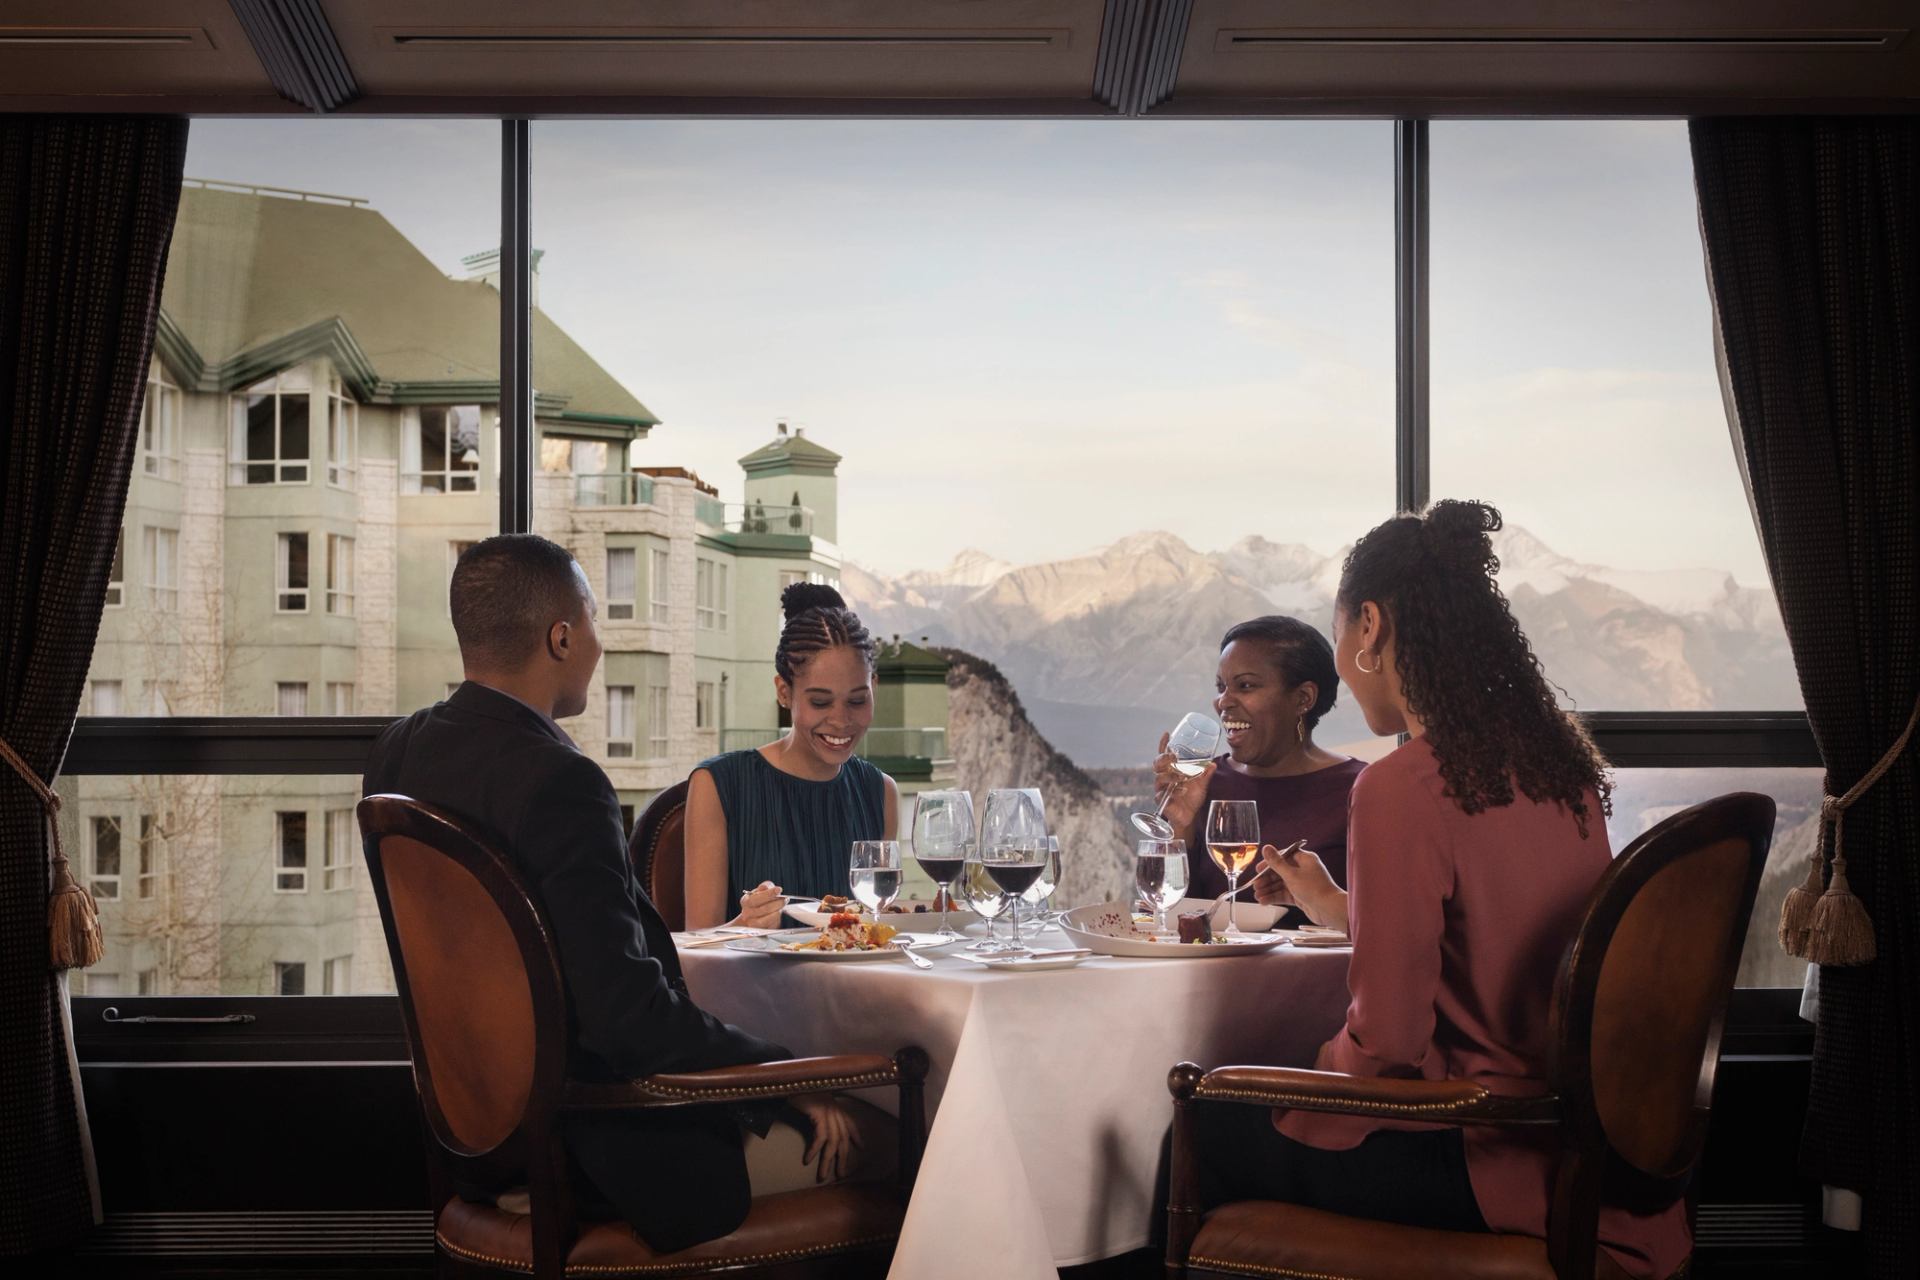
(807, 911)
(774, 944)
(1108, 929)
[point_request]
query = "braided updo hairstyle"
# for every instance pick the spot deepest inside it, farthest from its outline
(1465, 666)
(817, 619)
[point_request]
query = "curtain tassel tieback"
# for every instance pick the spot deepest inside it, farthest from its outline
(1833, 927)
(73, 919)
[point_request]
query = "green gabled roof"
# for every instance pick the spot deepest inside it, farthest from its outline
(257, 282)
(793, 453)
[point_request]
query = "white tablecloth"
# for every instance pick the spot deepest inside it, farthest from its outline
(1048, 1098)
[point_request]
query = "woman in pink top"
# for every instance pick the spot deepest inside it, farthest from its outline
(1472, 850)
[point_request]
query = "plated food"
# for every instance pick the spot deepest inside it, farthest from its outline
(908, 917)
(1111, 929)
(845, 931)
(850, 939)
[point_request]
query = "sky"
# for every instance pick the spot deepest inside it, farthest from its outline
(1033, 338)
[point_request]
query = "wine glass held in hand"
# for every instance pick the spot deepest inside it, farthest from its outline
(1233, 842)
(1193, 742)
(1160, 876)
(875, 873)
(943, 829)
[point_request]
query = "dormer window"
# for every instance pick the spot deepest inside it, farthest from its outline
(440, 449)
(271, 441)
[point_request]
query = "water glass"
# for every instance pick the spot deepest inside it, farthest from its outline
(1160, 876)
(875, 873)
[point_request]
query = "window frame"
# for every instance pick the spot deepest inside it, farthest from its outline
(340, 599)
(283, 588)
(95, 877)
(117, 572)
(627, 695)
(659, 576)
(338, 827)
(281, 871)
(413, 480)
(238, 472)
(152, 538)
(343, 436)
(355, 1025)
(160, 461)
(630, 601)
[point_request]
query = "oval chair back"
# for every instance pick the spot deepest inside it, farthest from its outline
(479, 984)
(658, 851)
(1640, 1002)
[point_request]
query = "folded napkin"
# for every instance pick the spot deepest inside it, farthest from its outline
(715, 936)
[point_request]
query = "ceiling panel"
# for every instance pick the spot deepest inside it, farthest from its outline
(752, 49)
(1596, 54)
(123, 49)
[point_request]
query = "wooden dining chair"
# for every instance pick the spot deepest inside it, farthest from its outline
(1636, 1019)
(658, 851)
(484, 1006)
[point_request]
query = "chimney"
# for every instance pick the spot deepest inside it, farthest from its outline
(781, 429)
(485, 267)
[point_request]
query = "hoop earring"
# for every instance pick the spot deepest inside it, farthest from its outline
(1300, 730)
(1374, 670)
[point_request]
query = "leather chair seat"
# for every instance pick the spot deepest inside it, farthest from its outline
(1270, 1239)
(787, 1227)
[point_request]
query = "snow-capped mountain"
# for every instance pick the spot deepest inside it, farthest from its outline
(1109, 648)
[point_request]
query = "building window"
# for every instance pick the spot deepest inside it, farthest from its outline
(146, 982)
(289, 978)
(163, 557)
(270, 436)
(440, 450)
(337, 871)
(117, 576)
(336, 976)
(622, 584)
(339, 698)
(656, 722)
(703, 705)
(106, 698)
(103, 877)
(290, 577)
(290, 698)
(657, 586)
(343, 431)
(160, 428)
(160, 697)
(339, 575)
(620, 720)
(290, 852)
(148, 885)
(710, 595)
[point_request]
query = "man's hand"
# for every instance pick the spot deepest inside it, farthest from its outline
(835, 1137)
(760, 907)
(1306, 881)
(1183, 806)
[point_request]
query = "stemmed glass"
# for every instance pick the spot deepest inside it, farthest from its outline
(1015, 865)
(1015, 815)
(1040, 897)
(875, 873)
(942, 841)
(1193, 742)
(1233, 842)
(1160, 876)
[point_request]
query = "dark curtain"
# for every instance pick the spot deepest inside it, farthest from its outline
(1813, 249)
(86, 214)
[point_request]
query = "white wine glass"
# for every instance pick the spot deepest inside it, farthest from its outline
(875, 873)
(1160, 876)
(943, 838)
(1193, 742)
(1233, 842)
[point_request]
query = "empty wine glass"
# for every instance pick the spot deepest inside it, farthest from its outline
(1193, 742)
(875, 873)
(983, 897)
(943, 829)
(1233, 842)
(1013, 813)
(1160, 876)
(1040, 896)
(1015, 865)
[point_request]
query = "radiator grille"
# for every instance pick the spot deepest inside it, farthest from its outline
(305, 1234)
(1751, 1226)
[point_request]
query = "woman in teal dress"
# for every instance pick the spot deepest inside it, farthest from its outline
(783, 818)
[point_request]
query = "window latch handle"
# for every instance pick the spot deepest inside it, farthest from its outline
(112, 1014)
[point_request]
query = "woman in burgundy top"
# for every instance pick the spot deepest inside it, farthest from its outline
(1275, 681)
(1474, 847)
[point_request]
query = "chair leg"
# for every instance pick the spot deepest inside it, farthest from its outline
(1573, 1219)
(912, 1063)
(553, 1224)
(1183, 1209)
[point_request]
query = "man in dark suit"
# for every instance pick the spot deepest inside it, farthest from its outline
(525, 617)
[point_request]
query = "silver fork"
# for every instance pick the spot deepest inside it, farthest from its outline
(919, 961)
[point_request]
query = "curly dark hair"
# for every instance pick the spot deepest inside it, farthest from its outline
(817, 619)
(1466, 667)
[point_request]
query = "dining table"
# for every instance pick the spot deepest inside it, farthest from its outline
(1047, 1100)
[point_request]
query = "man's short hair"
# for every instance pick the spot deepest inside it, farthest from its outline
(506, 592)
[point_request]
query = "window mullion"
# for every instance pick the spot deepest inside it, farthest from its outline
(1411, 332)
(516, 329)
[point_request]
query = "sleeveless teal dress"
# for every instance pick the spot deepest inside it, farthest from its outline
(793, 831)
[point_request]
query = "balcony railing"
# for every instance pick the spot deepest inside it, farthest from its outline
(928, 743)
(755, 517)
(613, 489)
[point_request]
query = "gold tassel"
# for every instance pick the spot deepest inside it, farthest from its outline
(1840, 932)
(73, 918)
(1796, 913)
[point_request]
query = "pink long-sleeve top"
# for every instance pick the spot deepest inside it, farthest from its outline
(1459, 923)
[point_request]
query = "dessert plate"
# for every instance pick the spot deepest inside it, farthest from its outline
(1108, 929)
(807, 911)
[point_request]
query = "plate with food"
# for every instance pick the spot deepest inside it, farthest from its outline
(1252, 917)
(843, 937)
(909, 916)
(1111, 929)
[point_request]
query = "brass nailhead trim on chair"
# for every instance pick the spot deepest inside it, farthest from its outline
(1216, 1093)
(783, 1090)
(1255, 1269)
(662, 1268)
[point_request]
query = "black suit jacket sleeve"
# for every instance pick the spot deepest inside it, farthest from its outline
(626, 1013)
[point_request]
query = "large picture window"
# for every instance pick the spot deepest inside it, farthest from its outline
(271, 442)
